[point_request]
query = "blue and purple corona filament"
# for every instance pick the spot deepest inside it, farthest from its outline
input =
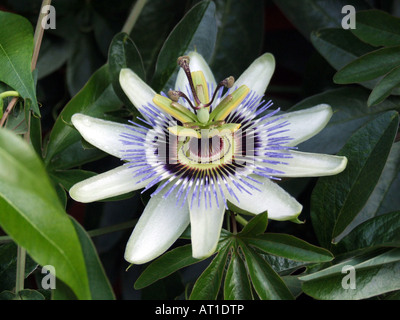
(256, 145)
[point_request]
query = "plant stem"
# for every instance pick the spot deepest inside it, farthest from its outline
(233, 223)
(241, 220)
(20, 278)
(9, 108)
(7, 94)
(38, 36)
(133, 16)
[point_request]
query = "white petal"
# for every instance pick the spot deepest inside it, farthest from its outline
(138, 92)
(258, 74)
(109, 184)
(304, 124)
(104, 135)
(205, 223)
(160, 225)
(197, 63)
(305, 164)
(271, 197)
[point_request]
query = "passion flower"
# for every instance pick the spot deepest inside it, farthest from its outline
(203, 148)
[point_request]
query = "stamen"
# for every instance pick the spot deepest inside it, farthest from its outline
(183, 62)
(175, 95)
(227, 83)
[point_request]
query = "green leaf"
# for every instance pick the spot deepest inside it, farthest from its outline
(266, 282)
(373, 277)
(67, 178)
(153, 26)
(256, 225)
(95, 99)
(16, 49)
(26, 294)
(290, 247)
(369, 66)
(53, 55)
(49, 237)
(377, 28)
(74, 155)
(123, 53)
(317, 14)
(169, 288)
(83, 61)
(336, 200)
(385, 87)
(165, 265)
(196, 31)
(237, 285)
(383, 230)
(338, 46)
(350, 112)
(8, 265)
(99, 285)
(237, 18)
(384, 198)
(208, 284)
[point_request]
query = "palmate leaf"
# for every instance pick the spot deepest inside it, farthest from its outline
(208, 284)
(266, 282)
(165, 265)
(237, 285)
(287, 246)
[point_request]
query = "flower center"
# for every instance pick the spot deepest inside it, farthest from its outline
(206, 153)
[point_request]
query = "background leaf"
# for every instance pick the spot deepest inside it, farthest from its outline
(385, 87)
(240, 33)
(383, 230)
(196, 31)
(16, 48)
(372, 277)
(312, 15)
(123, 53)
(369, 66)
(95, 99)
(378, 28)
(153, 26)
(383, 198)
(336, 200)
